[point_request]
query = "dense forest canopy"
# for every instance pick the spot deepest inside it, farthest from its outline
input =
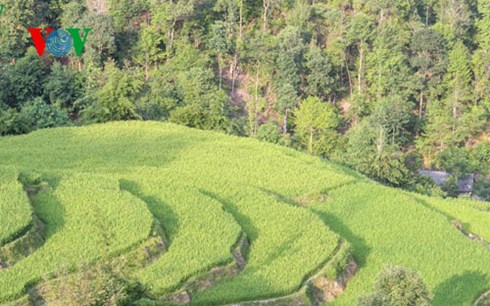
(385, 86)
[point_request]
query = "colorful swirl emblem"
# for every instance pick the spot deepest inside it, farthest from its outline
(59, 43)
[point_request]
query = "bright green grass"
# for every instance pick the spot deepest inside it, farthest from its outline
(81, 227)
(471, 214)
(213, 171)
(183, 174)
(288, 243)
(201, 234)
(386, 226)
(15, 210)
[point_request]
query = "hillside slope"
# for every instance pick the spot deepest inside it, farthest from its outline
(207, 189)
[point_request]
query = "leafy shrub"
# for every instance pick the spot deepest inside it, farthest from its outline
(456, 161)
(398, 286)
(11, 123)
(368, 153)
(451, 186)
(114, 100)
(482, 189)
(269, 132)
(62, 86)
(98, 285)
(425, 185)
(37, 114)
(481, 155)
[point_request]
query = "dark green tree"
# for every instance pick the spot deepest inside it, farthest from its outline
(27, 78)
(369, 152)
(37, 114)
(102, 43)
(219, 43)
(458, 81)
(428, 58)
(62, 86)
(456, 161)
(388, 70)
(16, 17)
(481, 57)
(359, 34)
(320, 74)
(115, 99)
(289, 65)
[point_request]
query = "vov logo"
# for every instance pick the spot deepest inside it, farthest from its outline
(59, 42)
(2, 7)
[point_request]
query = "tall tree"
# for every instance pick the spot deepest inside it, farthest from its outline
(428, 58)
(149, 49)
(115, 99)
(455, 19)
(220, 44)
(27, 78)
(320, 75)
(62, 86)
(316, 123)
(16, 17)
(481, 58)
(170, 16)
(389, 72)
(359, 33)
(101, 44)
(458, 81)
(289, 65)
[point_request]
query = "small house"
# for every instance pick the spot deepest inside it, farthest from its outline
(465, 184)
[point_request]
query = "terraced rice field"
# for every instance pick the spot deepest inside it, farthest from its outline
(103, 189)
(15, 210)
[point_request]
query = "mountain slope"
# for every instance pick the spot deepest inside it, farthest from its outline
(206, 188)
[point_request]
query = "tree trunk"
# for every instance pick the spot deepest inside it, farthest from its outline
(361, 63)
(241, 20)
(233, 69)
(172, 33)
(455, 106)
(427, 15)
(219, 72)
(380, 143)
(266, 8)
(147, 73)
(256, 112)
(285, 123)
(421, 105)
(349, 77)
(310, 144)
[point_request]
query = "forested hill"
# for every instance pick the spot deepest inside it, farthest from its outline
(385, 86)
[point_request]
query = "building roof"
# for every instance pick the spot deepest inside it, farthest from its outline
(465, 184)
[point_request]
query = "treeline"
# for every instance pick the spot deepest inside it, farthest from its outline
(385, 86)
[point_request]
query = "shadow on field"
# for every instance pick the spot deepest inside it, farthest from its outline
(430, 207)
(460, 288)
(245, 222)
(162, 212)
(361, 249)
(50, 211)
(279, 197)
(359, 245)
